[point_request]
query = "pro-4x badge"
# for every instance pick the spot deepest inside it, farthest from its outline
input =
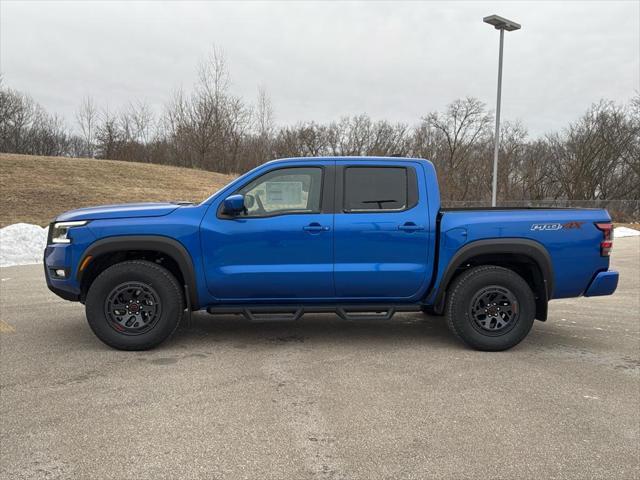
(546, 226)
(555, 226)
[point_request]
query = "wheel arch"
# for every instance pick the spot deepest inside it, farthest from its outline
(527, 258)
(163, 250)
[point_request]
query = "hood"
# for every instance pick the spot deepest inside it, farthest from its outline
(125, 210)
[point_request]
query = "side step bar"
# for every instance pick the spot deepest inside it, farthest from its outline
(290, 313)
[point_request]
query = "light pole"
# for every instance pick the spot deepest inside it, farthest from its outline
(501, 24)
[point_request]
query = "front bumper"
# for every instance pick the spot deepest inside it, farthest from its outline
(57, 287)
(604, 283)
(60, 257)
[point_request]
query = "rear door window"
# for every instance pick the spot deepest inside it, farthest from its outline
(368, 189)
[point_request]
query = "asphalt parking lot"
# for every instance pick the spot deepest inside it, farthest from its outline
(321, 398)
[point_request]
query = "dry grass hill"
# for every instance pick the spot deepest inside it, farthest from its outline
(35, 189)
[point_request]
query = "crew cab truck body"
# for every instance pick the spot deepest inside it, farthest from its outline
(363, 237)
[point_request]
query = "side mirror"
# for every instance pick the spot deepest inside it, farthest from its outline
(233, 204)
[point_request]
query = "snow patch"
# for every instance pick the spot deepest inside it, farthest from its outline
(22, 244)
(620, 232)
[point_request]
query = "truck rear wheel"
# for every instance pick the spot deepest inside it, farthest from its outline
(490, 308)
(134, 305)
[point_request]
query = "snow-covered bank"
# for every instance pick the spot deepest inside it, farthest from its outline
(23, 243)
(621, 232)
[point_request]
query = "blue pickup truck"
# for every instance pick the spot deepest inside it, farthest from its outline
(362, 237)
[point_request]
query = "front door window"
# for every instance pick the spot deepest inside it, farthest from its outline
(284, 191)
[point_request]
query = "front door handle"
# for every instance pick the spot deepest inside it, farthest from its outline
(315, 228)
(410, 227)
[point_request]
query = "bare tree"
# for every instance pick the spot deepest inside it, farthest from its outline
(26, 127)
(207, 126)
(142, 118)
(86, 116)
(109, 136)
(462, 135)
(513, 143)
(630, 154)
(589, 156)
(264, 118)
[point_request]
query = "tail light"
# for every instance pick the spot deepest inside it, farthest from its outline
(607, 241)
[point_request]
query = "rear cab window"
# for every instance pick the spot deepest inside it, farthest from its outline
(379, 189)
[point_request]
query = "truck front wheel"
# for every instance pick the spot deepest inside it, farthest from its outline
(490, 308)
(134, 305)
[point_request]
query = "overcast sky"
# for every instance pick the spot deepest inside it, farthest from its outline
(321, 60)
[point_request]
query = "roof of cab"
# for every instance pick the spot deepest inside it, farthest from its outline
(352, 159)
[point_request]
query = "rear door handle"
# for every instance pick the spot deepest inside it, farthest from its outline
(315, 228)
(410, 227)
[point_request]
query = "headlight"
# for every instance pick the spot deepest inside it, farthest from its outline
(60, 230)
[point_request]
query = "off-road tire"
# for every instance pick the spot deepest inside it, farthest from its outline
(467, 287)
(165, 289)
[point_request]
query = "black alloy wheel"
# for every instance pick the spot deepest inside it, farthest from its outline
(494, 309)
(132, 308)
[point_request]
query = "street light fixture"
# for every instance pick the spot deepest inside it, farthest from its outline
(501, 24)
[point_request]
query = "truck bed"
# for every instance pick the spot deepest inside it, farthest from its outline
(569, 235)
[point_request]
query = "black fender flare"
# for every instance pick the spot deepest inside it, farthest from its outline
(531, 249)
(165, 245)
